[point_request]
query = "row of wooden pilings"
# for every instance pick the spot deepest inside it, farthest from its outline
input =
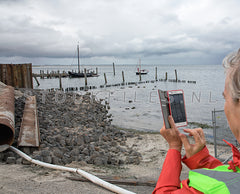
(86, 87)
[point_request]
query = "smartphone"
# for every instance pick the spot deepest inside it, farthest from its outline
(172, 103)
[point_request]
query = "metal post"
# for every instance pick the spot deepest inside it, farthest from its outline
(214, 132)
(78, 59)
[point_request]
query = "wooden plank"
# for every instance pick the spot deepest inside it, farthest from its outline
(118, 181)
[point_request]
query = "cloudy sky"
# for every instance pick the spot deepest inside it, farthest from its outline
(120, 31)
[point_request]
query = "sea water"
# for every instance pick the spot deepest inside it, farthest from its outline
(137, 106)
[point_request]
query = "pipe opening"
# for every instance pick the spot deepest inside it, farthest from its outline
(6, 135)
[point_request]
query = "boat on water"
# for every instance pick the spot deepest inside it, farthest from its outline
(88, 73)
(141, 71)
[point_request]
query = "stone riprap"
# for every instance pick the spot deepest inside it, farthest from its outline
(73, 127)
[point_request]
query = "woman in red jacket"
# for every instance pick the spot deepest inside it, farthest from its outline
(221, 178)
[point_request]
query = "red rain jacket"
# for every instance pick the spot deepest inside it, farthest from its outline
(169, 179)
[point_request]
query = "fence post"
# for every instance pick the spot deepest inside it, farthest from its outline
(214, 132)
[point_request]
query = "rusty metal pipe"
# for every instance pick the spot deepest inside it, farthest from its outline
(7, 120)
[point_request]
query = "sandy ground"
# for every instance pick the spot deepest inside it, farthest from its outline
(34, 179)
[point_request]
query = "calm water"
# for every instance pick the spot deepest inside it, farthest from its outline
(138, 106)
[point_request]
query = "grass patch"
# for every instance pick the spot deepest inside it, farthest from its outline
(112, 169)
(201, 125)
(136, 131)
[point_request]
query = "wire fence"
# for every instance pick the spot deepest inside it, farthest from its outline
(222, 131)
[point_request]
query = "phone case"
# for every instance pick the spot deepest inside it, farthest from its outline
(165, 107)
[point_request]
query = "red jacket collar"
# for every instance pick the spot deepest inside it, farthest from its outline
(236, 157)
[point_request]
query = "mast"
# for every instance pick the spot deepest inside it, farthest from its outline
(78, 59)
(140, 64)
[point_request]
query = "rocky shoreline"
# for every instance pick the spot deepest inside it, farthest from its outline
(73, 128)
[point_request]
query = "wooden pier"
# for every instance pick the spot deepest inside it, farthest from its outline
(51, 74)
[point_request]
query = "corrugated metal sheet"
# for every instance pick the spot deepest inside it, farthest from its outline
(17, 75)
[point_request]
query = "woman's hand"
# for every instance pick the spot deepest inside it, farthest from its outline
(172, 135)
(199, 138)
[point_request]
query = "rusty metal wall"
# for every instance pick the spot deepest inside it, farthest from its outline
(7, 121)
(17, 75)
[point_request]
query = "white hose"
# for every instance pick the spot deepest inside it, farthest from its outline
(86, 175)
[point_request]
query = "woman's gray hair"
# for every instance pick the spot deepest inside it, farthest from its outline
(231, 64)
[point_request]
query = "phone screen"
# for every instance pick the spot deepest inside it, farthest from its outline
(177, 107)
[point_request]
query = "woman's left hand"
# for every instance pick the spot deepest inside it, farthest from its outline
(172, 135)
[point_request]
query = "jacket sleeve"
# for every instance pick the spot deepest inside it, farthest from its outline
(169, 179)
(202, 159)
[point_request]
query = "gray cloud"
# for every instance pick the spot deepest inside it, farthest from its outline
(158, 30)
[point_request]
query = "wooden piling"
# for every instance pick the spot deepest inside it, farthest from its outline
(123, 76)
(105, 77)
(85, 75)
(42, 74)
(96, 70)
(36, 79)
(176, 75)
(60, 81)
(113, 69)
(140, 76)
(156, 73)
(166, 76)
